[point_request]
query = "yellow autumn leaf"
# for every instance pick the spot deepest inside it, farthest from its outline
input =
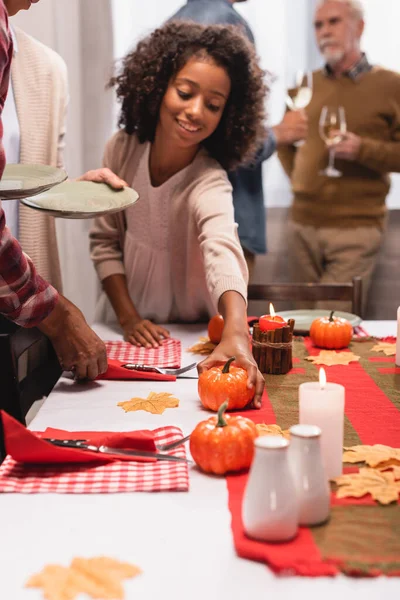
(382, 485)
(386, 347)
(331, 357)
(377, 455)
(155, 403)
(205, 347)
(99, 577)
(264, 429)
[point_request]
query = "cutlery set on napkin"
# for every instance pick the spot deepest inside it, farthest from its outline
(96, 462)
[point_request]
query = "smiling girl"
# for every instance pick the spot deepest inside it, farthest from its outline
(192, 106)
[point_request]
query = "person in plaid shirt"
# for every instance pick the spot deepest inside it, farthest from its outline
(25, 297)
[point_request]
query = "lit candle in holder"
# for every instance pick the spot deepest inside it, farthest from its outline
(398, 339)
(322, 404)
(271, 321)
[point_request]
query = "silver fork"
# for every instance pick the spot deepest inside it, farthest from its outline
(172, 445)
(151, 369)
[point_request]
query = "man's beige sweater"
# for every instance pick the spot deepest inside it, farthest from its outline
(372, 107)
(178, 245)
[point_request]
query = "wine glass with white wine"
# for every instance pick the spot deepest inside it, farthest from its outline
(300, 94)
(332, 129)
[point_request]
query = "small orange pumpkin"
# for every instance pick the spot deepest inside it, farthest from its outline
(224, 382)
(223, 443)
(331, 332)
(216, 328)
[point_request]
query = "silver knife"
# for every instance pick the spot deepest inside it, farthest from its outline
(120, 451)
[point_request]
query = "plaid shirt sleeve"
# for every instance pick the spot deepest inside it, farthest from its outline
(25, 297)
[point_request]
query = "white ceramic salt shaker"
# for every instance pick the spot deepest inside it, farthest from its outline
(270, 509)
(312, 486)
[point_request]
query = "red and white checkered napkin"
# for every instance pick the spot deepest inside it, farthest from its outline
(113, 477)
(360, 332)
(168, 355)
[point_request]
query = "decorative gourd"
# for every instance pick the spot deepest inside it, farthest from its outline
(331, 332)
(215, 328)
(223, 443)
(224, 383)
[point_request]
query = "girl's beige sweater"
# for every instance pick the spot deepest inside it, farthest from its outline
(178, 245)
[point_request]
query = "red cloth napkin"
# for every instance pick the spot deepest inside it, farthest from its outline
(92, 477)
(25, 446)
(116, 371)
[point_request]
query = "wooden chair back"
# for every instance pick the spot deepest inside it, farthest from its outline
(311, 292)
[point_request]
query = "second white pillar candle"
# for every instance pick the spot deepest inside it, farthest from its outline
(324, 407)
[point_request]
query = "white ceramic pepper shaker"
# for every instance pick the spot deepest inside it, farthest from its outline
(312, 486)
(270, 510)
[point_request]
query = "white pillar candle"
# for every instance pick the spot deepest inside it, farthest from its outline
(398, 339)
(322, 404)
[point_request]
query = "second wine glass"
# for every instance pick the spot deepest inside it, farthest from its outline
(332, 129)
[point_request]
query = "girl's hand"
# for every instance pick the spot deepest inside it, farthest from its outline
(141, 332)
(104, 176)
(237, 345)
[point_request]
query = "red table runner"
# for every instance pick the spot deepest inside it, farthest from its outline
(361, 537)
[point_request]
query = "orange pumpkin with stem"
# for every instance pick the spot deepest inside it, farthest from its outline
(223, 443)
(331, 332)
(225, 382)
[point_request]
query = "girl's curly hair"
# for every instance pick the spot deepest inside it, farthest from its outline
(147, 70)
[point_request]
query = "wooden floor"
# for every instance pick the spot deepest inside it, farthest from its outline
(384, 297)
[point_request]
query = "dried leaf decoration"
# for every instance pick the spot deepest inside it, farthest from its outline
(154, 403)
(331, 357)
(99, 577)
(386, 347)
(382, 485)
(264, 429)
(374, 456)
(205, 347)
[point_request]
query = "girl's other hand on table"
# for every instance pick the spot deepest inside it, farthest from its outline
(141, 332)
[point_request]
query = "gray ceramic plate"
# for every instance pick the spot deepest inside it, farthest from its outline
(82, 200)
(304, 318)
(22, 181)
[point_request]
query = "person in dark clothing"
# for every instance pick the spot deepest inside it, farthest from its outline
(248, 196)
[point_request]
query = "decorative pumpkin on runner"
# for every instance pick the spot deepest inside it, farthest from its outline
(215, 328)
(223, 443)
(225, 383)
(331, 332)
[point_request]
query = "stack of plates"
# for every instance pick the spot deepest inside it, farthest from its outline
(44, 188)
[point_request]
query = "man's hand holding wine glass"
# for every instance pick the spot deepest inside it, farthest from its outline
(349, 147)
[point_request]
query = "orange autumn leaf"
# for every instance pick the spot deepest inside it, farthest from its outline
(386, 347)
(382, 485)
(264, 429)
(331, 357)
(373, 456)
(155, 403)
(204, 347)
(99, 577)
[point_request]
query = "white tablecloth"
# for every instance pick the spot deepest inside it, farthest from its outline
(182, 541)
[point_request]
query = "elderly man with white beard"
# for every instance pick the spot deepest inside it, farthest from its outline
(337, 223)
